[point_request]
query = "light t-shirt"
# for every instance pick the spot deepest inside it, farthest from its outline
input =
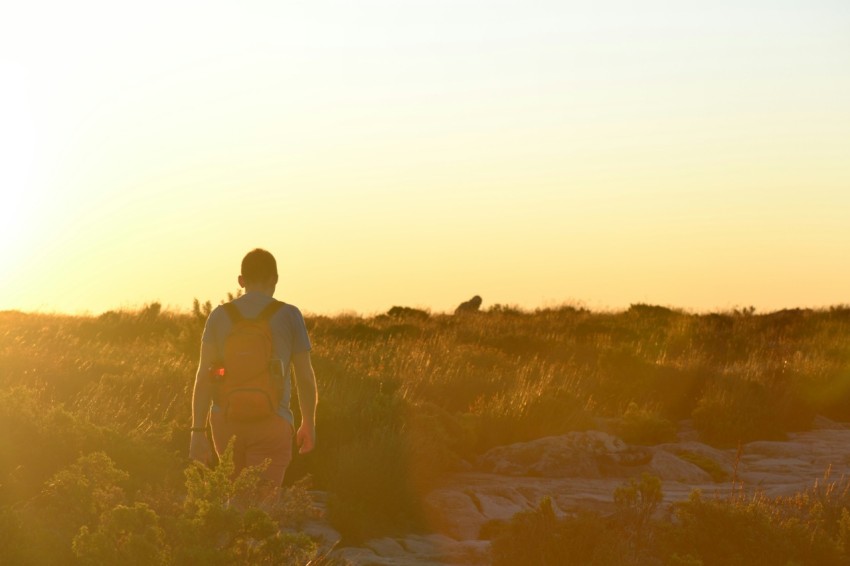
(289, 336)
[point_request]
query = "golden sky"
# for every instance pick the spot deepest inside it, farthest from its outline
(415, 153)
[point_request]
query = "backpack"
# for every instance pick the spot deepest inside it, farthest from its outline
(249, 382)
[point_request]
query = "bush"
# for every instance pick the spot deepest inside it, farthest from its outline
(744, 531)
(539, 537)
(124, 535)
(811, 528)
(227, 520)
(86, 489)
(729, 413)
(643, 426)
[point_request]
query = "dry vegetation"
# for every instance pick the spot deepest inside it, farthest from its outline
(94, 412)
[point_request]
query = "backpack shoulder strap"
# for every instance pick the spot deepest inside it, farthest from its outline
(233, 313)
(269, 311)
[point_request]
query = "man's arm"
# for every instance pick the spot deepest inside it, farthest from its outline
(308, 398)
(199, 446)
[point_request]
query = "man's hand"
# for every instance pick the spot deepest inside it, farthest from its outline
(199, 447)
(306, 437)
(305, 380)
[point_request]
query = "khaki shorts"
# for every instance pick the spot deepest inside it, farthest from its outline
(255, 442)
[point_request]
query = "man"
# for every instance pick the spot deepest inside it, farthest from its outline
(270, 438)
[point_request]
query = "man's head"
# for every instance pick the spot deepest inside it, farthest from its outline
(259, 268)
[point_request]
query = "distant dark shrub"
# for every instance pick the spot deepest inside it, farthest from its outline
(408, 312)
(505, 309)
(655, 311)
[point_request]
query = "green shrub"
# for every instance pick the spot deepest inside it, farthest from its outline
(124, 535)
(86, 489)
(539, 537)
(731, 412)
(374, 490)
(643, 426)
(228, 519)
(744, 531)
(810, 528)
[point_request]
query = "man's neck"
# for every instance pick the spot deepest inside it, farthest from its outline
(260, 290)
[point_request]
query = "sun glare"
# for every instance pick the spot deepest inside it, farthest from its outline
(16, 226)
(18, 200)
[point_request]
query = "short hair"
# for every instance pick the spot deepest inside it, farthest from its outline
(259, 266)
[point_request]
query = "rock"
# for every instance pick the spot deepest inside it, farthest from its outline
(454, 512)
(499, 504)
(470, 306)
(581, 471)
(822, 423)
(576, 454)
(318, 528)
(386, 547)
(418, 550)
(666, 466)
(498, 497)
(724, 460)
(548, 457)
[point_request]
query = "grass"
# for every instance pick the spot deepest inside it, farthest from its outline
(404, 399)
(810, 528)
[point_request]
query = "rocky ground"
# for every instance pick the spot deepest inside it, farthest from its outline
(581, 470)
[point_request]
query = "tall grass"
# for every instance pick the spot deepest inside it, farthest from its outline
(405, 399)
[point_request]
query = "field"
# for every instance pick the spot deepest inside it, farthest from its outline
(94, 413)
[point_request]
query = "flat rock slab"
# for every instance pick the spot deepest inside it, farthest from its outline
(582, 470)
(418, 550)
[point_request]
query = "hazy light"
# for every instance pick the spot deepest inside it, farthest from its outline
(422, 152)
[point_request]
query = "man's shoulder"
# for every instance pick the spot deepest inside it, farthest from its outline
(215, 321)
(288, 312)
(217, 316)
(289, 307)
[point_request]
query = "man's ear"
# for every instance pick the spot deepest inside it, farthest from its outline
(241, 281)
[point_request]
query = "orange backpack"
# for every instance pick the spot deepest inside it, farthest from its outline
(250, 381)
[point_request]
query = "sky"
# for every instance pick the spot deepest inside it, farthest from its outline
(688, 154)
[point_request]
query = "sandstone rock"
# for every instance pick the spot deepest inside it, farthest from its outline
(724, 460)
(547, 458)
(668, 467)
(453, 512)
(418, 550)
(386, 547)
(581, 471)
(577, 454)
(822, 423)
